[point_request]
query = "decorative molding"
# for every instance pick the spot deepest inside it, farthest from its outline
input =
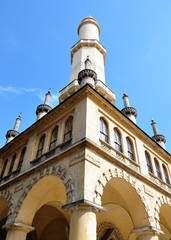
(116, 235)
(8, 196)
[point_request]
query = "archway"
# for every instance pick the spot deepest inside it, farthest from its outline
(41, 209)
(165, 221)
(3, 217)
(124, 207)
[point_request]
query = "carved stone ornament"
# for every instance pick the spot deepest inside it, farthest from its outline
(159, 138)
(129, 110)
(107, 226)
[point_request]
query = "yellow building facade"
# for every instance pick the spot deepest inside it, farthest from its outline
(84, 170)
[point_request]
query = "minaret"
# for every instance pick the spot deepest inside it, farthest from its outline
(43, 109)
(160, 139)
(11, 134)
(88, 61)
(130, 112)
(88, 45)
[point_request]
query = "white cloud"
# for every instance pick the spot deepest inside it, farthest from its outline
(15, 90)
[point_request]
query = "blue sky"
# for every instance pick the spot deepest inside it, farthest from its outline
(35, 41)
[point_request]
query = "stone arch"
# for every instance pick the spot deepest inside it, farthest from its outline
(6, 194)
(137, 189)
(161, 200)
(53, 170)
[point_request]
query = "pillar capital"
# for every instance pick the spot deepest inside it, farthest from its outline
(18, 226)
(145, 233)
(83, 205)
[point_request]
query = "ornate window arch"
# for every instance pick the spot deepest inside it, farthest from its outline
(104, 130)
(117, 140)
(41, 146)
(12, 164)
(54, 138)
(130, 149)
(165, 174)
(4, 168)
(21, 158)
(148, 161)
(157, 168)
(68, 129)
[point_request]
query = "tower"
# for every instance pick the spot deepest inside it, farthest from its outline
(11, 134)
(160, 139)
(85, 170)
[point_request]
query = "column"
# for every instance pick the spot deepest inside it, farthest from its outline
(18, 231)
(147, 237)
(145, 233)
(83, 224)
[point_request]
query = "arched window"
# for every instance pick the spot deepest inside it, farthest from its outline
(21, 158)
(130, 149)
(157, 169)
(165, 174)
(53, 140)
(68, 129)
(103, 130)
(148, 161)
(41, 145)
(117, 139)
(4, 168)
(12, 164)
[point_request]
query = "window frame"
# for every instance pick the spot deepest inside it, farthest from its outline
(40, 148)
(104, 130)
(158, 170)
(130, 149)
(148, 162)
(4, 168)
(166, 176)
(12, 163)
(55, 139)
(67, 130)
(117, 140)
(21, 159)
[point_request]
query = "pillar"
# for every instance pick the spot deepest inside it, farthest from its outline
(17, 231)
(82, 224)
(145, 233)
(147, 237)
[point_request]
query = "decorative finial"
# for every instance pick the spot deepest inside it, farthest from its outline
(152, 120)
(124, 93)
(20, 115)
(49, 91)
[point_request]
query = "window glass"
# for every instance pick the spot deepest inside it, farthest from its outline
(130, 149)
(68, 129)
(4, 168)
(165, 174)
(148, 161)
(12, 164)
(103, 130)
(41, 145)
(157, 169)
(21, 158)
(54, 137)
(117, 139)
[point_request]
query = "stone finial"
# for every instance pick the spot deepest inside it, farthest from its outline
(43, 109)
(11, 134)
(130, 112)
(160, 139)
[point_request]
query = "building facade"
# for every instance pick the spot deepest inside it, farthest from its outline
(84, 170)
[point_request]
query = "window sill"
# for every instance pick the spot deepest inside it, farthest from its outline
(158, 180)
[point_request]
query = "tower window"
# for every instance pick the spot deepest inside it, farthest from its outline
(54, 138)
(21, 158)
(12, 164)
(130, 149)
(117, 140)
(68, 129)
(4, 168)
(104, 130)
(148, 161)
(165, 174)
(157, 169)
(41, 146)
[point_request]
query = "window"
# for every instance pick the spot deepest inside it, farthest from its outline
(41, 145)
(130, 149)
(4, 168)
(21, 158)
(157, 169)
(68, 129)
(148, 161)
(117, 139)
(103, 130)
(12, 164)
(54, 137)
(165, 174)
